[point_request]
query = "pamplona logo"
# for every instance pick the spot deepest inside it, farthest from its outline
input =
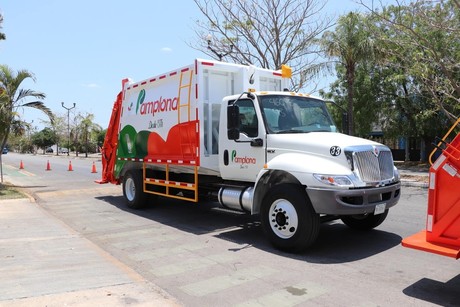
(152, 107)
(242, 160)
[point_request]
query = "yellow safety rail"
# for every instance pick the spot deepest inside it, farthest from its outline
(171, 188)
(456, 124)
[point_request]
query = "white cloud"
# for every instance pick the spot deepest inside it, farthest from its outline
(166, 49)
(91, 85)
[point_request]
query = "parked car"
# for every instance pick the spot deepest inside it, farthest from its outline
(4, 151)
(63, 150)
(49, 150)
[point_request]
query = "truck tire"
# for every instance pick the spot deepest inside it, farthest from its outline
(133, 190)
(364, 221)
(288, 218)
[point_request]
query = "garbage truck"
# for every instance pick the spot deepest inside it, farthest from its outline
(236, 135)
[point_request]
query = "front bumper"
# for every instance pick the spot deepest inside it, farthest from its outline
(353, 201)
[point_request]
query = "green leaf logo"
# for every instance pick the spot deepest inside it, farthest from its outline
(233, 154)
(140, 99)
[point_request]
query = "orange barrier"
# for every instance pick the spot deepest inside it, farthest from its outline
(48, 166)
(21, 165)
(93, 169)
(70, 166)
(442, 233)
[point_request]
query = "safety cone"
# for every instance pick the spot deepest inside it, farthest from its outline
(70, 166)
(93, 169)
(48, 166)
(21, 165)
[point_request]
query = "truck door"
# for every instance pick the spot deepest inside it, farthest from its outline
(242, 159)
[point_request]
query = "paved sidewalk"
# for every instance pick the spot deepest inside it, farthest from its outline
(45, 263)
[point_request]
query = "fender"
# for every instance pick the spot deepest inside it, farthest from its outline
(295, 168)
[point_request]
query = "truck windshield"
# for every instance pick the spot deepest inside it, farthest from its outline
(295, 114)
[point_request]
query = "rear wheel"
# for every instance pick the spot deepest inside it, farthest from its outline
(133, 190)
(289, 219)
(364, 221)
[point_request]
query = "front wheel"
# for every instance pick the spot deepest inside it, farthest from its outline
(289, 219)
(133, 190)
(364, 221)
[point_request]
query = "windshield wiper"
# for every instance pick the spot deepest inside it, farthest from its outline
(291, 131)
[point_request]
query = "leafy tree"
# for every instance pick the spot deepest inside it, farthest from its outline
(13, 97)
(423, 39)
(366, 102)
(100, 137)
(44, 138)
(86, 131)
(2, 35)
(404, 88)
(266, 33)
(348, 46)
(59, 126)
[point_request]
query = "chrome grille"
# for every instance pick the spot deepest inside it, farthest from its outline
(374, 168)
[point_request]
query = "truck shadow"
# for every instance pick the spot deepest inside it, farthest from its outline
(436, 292)
(336, 243)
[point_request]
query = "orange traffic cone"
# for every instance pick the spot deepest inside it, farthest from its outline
(21, 165)
(48, 166)
(70, 166)
(93, 170)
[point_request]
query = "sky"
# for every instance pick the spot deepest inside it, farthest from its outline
(80, 50)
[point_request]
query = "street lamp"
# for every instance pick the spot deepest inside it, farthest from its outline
(68, 125)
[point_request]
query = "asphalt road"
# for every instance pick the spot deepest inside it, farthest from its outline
(204, 256)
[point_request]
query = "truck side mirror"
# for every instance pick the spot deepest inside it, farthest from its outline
(233, 122)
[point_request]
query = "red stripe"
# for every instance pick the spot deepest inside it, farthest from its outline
(207, 63)
(173, 73)
(196, 91)
(162, 77)
(135, 85)
(277, 74)
(184, 70)
(152, 80)
(145, 82)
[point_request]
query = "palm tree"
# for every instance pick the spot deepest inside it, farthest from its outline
(2, 35)
(88, 127)
(348, 45)
(13, 97)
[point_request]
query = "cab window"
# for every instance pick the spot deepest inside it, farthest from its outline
(249, 124)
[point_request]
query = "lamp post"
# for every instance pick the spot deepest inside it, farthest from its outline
(220, 55)
(68, 125)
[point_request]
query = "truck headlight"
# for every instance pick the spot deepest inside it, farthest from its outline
(396, 173)
(334, 180)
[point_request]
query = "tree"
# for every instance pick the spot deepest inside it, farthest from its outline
(2, 35)
(425, 34)
(266, 33)
(348, 46)
(366, 100)
(44, 138)
(13, 97)
(87, 131)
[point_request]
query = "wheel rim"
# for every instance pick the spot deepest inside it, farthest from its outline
(283, 218)
(130, 189)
